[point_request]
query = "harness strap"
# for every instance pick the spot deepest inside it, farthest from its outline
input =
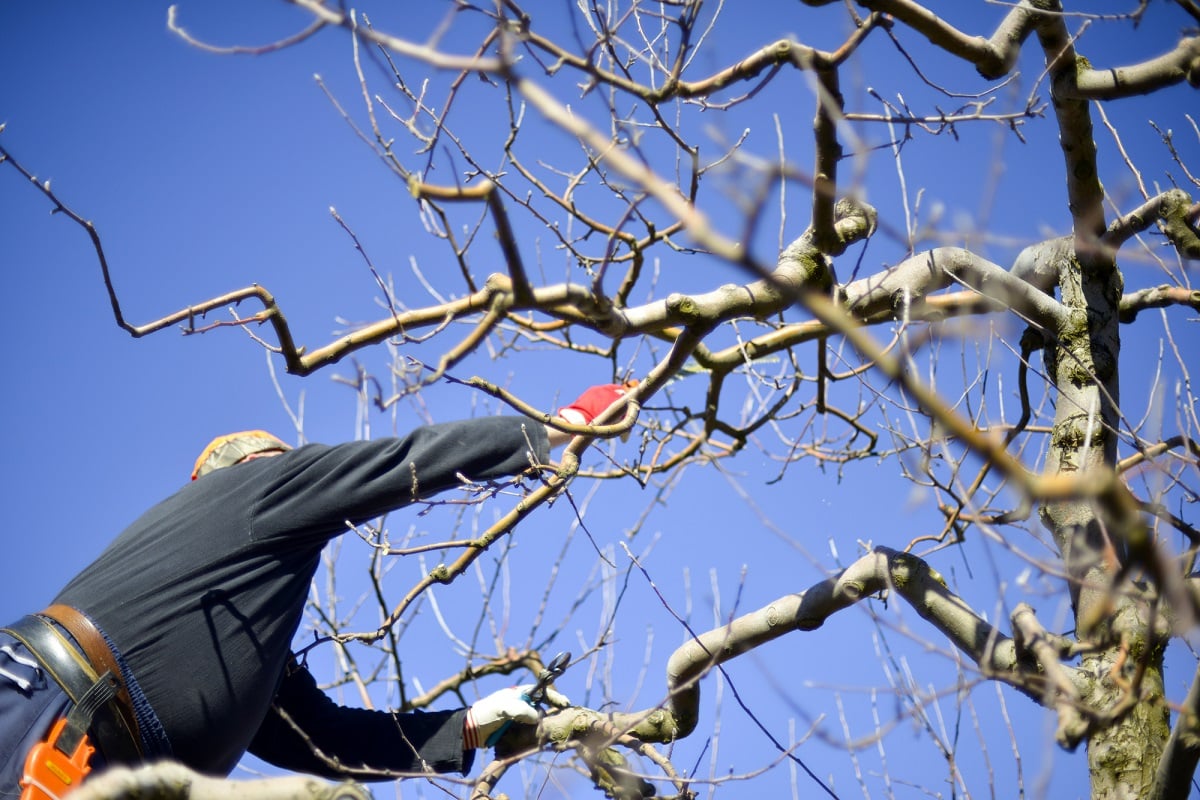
(73, 672)
(80, 717)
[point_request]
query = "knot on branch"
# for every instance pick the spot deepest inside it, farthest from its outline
(498, 283)
(806, 262)
(611, 773)
(1179, 223)
(854, 219)
(684, 308)
(853, 590)
(904, 569)
(803, 265)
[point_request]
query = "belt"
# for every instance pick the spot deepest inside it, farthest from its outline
(114, 723)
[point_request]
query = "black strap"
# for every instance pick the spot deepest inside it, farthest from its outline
(92, 694)
(80, 717)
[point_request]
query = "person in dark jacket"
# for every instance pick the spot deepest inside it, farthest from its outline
(194, 608)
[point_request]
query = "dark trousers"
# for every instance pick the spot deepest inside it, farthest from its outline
(30, 702)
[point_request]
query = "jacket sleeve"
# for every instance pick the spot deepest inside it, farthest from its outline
(305, 731)
(317, 489)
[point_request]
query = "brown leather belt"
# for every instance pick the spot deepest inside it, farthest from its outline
(99, 654)
(116, 723)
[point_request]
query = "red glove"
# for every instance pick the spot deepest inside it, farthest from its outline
(591, 403)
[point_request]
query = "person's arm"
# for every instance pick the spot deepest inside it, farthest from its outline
(317, 489)
(307, 732)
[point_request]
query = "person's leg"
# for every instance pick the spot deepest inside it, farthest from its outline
(30, 702)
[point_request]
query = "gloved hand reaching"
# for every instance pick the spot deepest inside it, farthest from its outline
(591, 403)
(489, 715)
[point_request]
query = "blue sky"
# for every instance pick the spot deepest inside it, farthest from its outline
(206, 173)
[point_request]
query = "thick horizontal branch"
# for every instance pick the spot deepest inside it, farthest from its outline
(1157, 297)
(1041, 674)
(172, 781)
(916, 277)
(1176, 66)
(996, 55)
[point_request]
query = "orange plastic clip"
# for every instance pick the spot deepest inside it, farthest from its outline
(49, 772)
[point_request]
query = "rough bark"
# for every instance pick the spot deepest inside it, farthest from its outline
(1082, 362)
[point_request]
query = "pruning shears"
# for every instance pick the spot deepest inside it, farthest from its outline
(536, 696)
(553, 671)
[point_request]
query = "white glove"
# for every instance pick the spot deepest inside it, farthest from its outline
(492, 713)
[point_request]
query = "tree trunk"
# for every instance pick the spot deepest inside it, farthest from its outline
(1124, 751)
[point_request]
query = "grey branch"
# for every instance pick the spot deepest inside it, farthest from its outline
(1033, 666)
(1178, 65)
(995, 56)
(172, 781)
(922, 274)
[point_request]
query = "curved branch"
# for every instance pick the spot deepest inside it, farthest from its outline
(920, 275)
(773, 55)
(174, 27)
(487, 191)
(993, 57)
(999, 657)
(1172, 209)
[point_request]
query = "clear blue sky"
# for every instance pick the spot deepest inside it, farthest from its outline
(204, 174)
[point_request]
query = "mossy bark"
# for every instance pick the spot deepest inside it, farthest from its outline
(1124, 748)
